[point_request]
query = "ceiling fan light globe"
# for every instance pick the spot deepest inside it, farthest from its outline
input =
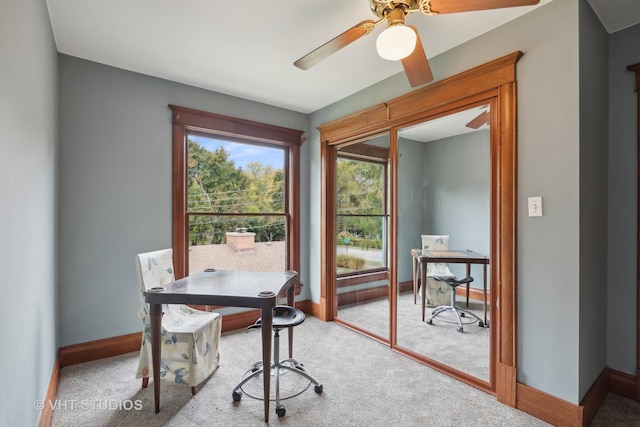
(396, 42)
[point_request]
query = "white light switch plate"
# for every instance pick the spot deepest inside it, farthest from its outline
(535, 206)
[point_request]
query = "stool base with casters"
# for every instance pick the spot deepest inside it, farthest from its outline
(283, 317)
(459, 312)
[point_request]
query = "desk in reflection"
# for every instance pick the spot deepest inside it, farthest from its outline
(422, 258)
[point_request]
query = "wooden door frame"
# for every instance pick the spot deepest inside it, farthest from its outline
(494, 81)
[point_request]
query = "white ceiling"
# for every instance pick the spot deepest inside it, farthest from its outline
(247, 49)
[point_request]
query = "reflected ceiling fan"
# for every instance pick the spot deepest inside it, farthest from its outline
(400, 41)
(480, 120)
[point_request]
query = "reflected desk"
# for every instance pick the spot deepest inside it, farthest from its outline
(222, 288)
(422, 258)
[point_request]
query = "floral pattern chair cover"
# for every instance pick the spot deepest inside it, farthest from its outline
(438, 293)
(190, 338)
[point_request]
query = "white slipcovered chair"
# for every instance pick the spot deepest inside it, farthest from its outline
(437, 292)
(190, 338)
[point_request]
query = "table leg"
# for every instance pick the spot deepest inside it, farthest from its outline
(415, 278)
(423, 284)
(155, 311)
(486, 324)
(267, 324)
(468, 274)
(290, 303)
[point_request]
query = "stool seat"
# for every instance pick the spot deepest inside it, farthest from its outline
(453, 281)
(284, 316)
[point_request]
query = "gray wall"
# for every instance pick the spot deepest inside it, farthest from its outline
(457, 187)
(623, 209)
(28, 98)
(444, 188)
(115, 186)
(593, 196)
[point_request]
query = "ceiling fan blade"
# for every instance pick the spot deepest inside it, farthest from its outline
(416, 65)
(334, 45)
(479, 120)
(454, 6)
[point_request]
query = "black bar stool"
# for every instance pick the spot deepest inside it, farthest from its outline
(283, 317)
(459, 312)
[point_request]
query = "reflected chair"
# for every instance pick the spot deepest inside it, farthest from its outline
(459, 312)
(283, 317)
(190, 338)
(437, 294)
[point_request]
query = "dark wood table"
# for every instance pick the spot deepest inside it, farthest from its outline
(222, 288)
(466, 256)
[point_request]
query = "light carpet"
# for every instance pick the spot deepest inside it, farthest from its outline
(365, 384)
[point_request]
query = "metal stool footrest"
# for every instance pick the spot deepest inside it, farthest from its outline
(285, 367)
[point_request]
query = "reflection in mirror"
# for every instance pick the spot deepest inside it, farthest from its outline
(362, 274)
(444, 178)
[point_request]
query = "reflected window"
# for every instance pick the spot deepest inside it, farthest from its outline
(361, 220)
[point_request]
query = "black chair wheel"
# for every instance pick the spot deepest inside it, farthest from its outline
(481, 324)
(318, 388)
(459, 329)
(430, 322)
(281, 411)
(237, 395)
(462, 314)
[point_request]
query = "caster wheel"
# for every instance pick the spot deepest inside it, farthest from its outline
(462, 315)
(318, 388)
(281, 411)
(237, 395)
(481, 324)
(460, 329)
(430, 322)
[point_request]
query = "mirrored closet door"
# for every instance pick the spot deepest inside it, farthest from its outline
(446, 203)
(444, 195)
(362, 236)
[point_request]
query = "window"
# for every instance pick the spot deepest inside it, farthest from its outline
(361, 217)
(235, 194)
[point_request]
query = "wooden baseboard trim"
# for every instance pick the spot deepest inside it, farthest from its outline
(305, 306)
(49, 400)
(506, 380)
(474, 293)
(562, 413)
(98, 349)
(595, 396)
(622, 383)
(363, 295)
(546, 407)
(315, 310)
(231, 322)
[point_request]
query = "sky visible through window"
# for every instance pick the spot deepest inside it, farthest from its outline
(243, 154)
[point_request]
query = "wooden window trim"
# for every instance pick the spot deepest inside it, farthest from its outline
(187, 120)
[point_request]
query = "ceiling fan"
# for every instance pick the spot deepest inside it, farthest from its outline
(480, 120)
(400, 41)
